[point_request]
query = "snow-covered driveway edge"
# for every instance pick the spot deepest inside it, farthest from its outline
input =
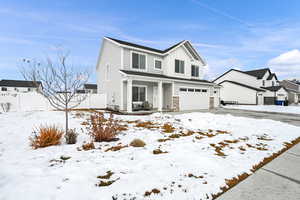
(295, 110)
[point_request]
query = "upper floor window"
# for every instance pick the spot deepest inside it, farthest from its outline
(195, 71)
(263, 82)
(138, 61)
(157, 64)
(3, 89)
(273, 83)
(179, 66)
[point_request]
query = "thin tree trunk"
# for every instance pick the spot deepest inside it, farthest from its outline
(67, 118)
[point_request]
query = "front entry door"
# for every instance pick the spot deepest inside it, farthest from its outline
(155, 94)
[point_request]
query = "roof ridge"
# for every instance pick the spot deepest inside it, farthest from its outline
(145, 47)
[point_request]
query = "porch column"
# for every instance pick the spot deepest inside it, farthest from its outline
(129, 95)
(160, 96)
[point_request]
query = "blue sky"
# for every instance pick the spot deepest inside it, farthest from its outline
(238, 34)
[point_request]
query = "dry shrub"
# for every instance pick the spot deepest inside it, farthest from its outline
(199, 137)
(218, 150)
(158, 151)
(222, 132)
(71, 136)
(88, 146)
(79, 115)
(264, 137)
(168, 128)
(45, 136)
(116, 148)
(137, 143)
(101, 129)
(242, 148)
(207, 134)
(175, 135)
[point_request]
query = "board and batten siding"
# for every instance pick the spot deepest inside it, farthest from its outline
(110, 56)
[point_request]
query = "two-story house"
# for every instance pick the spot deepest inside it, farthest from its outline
(15, 86)
(254, 87)
(293, 89)
(171, 79)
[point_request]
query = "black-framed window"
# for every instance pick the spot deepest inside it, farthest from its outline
(204, 90)
(197, 90)
(3, 89)
(263, 82)
(138, 61)
(179, 66)
(183, 89)
(191, 89)
(138, 93)
(157, 64)
(195, 71)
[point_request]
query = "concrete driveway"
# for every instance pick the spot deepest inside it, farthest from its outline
(278, 180)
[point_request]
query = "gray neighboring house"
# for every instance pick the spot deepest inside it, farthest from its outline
(293, 89)
(14, 86)
(133, 76)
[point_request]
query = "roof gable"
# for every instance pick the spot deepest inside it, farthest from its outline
(243, 85)
(259, 73)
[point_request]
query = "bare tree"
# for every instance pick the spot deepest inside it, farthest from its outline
(60, 82)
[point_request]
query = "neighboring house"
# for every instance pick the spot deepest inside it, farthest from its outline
(255, 87)
(90, 88)
(171, 79)
(293, 90)
(14, 86)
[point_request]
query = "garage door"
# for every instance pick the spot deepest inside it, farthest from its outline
(193, 98)
(269, 100)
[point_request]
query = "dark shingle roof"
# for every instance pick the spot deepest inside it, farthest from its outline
(144, 47)
(271, 76)
(273, 88)
(259, 73)
(161, 76)
(243, 85)
(19, 83)
(90, 86)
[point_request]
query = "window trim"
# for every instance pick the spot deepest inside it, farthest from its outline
(158, 59)
(197, 67)
(179, 67)
(136, 52)
(142, 86)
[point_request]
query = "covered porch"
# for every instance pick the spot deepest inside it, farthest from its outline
(146, 95)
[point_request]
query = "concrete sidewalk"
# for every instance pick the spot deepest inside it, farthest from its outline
(278, 180)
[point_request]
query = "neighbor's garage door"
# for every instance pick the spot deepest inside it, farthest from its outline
(192, 98)
(269, 100)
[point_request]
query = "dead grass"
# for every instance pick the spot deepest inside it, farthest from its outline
(146, 124)
(232, 141)
(116, 148)
(158, 151)
(218, 150)
(190, 175)
(164, 139)
(168, 128)
(137, 143)
(153, 191)
(264, 137)
(106, 176)
(106, 183)
(234, 181)
(45, 136)
(88, 146)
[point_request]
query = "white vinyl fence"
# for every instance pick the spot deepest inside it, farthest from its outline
(32, 101)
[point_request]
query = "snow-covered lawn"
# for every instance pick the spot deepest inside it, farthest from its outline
(268, 108)
(207, 150)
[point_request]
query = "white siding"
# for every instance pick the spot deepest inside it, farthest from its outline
(240, 78)
(233, 92)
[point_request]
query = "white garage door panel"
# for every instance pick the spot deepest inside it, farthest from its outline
(193, 100)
